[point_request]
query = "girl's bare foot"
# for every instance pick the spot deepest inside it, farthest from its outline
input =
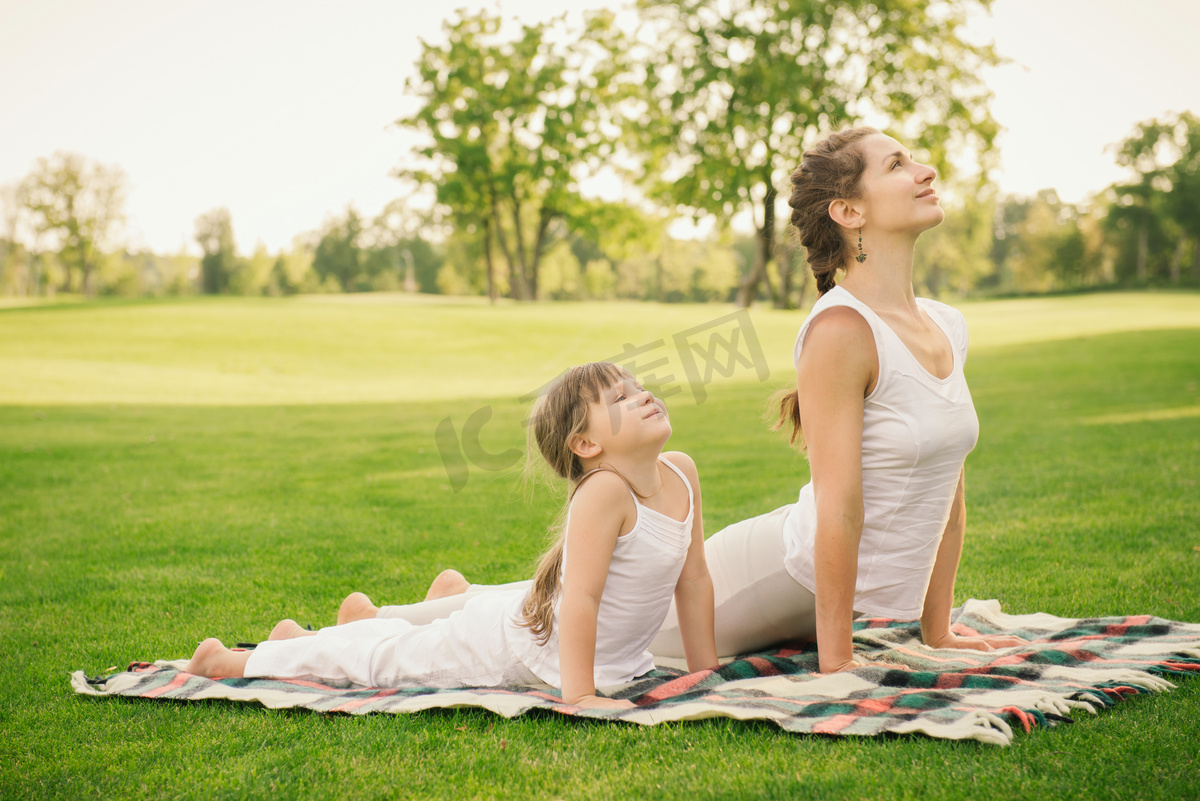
(214, 660)
(448, 582)
(288, 629)
(356, 607)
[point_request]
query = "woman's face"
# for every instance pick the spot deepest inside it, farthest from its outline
(897, 191)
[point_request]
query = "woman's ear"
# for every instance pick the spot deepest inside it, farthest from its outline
(845, 214)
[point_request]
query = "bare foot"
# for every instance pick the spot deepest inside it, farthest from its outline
(288, 629)
(214, 660)
(356, 607)
(448, 582)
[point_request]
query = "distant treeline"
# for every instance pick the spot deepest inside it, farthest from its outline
(700, 109)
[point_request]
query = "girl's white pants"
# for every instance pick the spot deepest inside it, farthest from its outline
(758, 603)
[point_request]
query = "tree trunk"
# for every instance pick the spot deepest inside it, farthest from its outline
(748, 290)
(522, 260)
(803, 294)
(539, 246)
(1196, 261)
(1143, 246)
(1177, 259)
(785, 284)
(487, 261)
(513, 280)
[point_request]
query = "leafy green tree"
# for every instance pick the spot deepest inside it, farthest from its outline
(338, 257)
(462, 271)
(1038, 245)
(562, 275)
(179, 273)
(252, 275)
(1160, 206)
(15, 261)
(512, 126)
(78, 205)
(734, 89)
(214, 234)
(955, 256)
(599, 279)
(396, 253)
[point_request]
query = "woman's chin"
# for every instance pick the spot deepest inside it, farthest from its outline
(935, 218)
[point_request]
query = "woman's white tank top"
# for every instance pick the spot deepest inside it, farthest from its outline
(642, 575)
(917, 432)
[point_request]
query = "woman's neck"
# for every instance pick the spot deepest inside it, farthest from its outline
(884, 280)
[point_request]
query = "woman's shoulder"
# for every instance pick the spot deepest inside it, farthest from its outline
(943, 309)
(841, 327)
(951, 319)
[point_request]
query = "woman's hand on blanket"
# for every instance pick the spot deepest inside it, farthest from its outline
(984, 642)
(599, 702)
(842, 667)
(1003, 640)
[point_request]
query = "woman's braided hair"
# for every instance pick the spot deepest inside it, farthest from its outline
(832, 169)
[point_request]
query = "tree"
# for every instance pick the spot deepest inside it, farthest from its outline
(13, 254)
(78, 204)
(292, 271)
(396, 252)
(512, 127)
(955, 255)
(214, 234)
(1041, 243)
(338, 255)
(1162, 201)
(735, 88)
(252, 276)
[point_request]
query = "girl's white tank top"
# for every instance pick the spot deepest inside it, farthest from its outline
(642, 575)
(917, 432)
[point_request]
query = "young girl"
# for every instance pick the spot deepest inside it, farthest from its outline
(632, 539)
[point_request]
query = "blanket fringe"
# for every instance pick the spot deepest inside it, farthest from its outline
(82, 685)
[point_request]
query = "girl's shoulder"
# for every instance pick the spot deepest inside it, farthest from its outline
(683, 462)
(604, 501)
(605, 485)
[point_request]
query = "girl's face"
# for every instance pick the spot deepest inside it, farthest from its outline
(628, 417)
(897, 192)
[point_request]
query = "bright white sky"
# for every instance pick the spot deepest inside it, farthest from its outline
(281, 109)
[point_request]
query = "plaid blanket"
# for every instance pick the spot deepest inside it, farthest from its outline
(905, 687)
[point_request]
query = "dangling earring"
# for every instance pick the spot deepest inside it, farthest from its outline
(861, 257)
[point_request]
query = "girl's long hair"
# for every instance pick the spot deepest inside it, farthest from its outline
(558, 415)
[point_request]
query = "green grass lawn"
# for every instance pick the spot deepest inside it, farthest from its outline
(171, 470)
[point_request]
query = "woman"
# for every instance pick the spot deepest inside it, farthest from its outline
(885, 416)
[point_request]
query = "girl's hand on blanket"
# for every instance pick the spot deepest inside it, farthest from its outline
(597, 702)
